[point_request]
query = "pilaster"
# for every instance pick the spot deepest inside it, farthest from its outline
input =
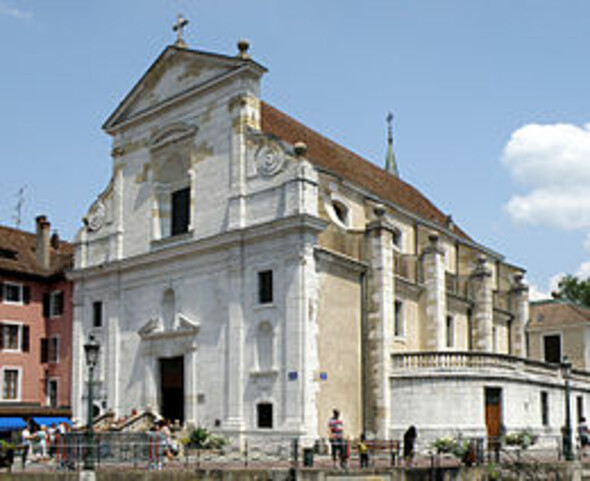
(433, 263)
(234, 379)
(190, 387)
(520, 302)
(378, 332)
(483, 307)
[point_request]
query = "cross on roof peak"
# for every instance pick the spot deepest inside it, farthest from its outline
(181, 22)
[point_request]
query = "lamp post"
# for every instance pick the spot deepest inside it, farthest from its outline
(91, 350)
(566, 365)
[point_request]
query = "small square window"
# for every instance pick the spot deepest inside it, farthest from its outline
(97, 314)
(265, 294)
(264, 411)
(13, 293)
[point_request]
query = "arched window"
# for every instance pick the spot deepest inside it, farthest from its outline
(265, 346)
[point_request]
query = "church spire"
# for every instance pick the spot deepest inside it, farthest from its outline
(390, 163)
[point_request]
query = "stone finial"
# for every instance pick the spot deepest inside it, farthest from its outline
(379, 210)
(243, 46)
(450, 224)
(519, 284)
(300, 148)
(481, 267)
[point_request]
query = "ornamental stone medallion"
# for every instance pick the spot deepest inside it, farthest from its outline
(97, 217)
(270, 159)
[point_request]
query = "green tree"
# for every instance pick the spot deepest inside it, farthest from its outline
(570, 288)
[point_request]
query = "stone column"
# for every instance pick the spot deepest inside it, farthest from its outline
(520, 306)
(433, 264)
(190, 386)
(483, 307)
(378, 331)
(234, 378)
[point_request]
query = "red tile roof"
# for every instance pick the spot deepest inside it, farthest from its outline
(557, 313)
(341, 161)
(18, 254)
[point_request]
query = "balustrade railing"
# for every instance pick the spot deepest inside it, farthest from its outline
(469, 360)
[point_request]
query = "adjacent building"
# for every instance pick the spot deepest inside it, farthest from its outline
(35, 324)
(245, 273)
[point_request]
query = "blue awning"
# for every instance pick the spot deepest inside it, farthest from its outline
(43, 421)
(11, 424)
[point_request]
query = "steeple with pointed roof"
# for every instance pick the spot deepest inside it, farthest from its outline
(390, 163)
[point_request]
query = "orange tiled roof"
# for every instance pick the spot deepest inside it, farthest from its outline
(341, 161)
(557, 313)
(18, 254)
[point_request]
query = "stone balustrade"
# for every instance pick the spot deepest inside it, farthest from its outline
(465, 360)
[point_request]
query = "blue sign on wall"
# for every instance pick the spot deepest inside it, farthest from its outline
(292, 375)
(323, 376)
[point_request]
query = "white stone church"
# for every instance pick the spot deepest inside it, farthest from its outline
(244, 273)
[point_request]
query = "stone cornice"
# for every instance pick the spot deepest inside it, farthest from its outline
(224, 240)
(336, 258)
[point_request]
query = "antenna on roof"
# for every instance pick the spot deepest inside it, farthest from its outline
(20, 196)
(390, 163)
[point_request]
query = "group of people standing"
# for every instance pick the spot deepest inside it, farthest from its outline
(340, 446)
(41, 441)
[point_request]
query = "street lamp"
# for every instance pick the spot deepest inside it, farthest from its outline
(566, 365)
(91, 350)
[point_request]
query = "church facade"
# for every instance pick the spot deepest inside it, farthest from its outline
(244, 273)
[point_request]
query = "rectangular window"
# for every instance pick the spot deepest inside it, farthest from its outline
(552, 348)
(44, 350)
(450, 332)
(52, 392)
(53, 354)
(180, 211)
(97, 314)
(398, 326)
(13, 293)
(264, 411)
(10, 384)
(265, 287)
(580, 408)
(56, 303)
(544, 408)
(10, 337)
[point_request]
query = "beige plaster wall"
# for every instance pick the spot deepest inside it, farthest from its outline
(339, 342)
(572, 343)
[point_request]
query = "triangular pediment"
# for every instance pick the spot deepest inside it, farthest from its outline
(175, 73)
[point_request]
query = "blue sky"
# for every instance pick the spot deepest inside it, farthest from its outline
(490, 100)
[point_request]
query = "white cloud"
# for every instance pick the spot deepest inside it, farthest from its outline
(553, 161)
(536, 294)
(14, 12)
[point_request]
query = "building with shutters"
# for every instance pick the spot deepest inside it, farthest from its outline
(244, 273)
(35, 324)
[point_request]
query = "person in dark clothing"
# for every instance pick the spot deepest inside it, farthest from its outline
(409, 441)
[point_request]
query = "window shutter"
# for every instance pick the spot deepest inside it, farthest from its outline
(59, 303)
(1, 291)
(26, 294)
(44, 349)
(26, 339)
(46, 302)
(1, 336)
